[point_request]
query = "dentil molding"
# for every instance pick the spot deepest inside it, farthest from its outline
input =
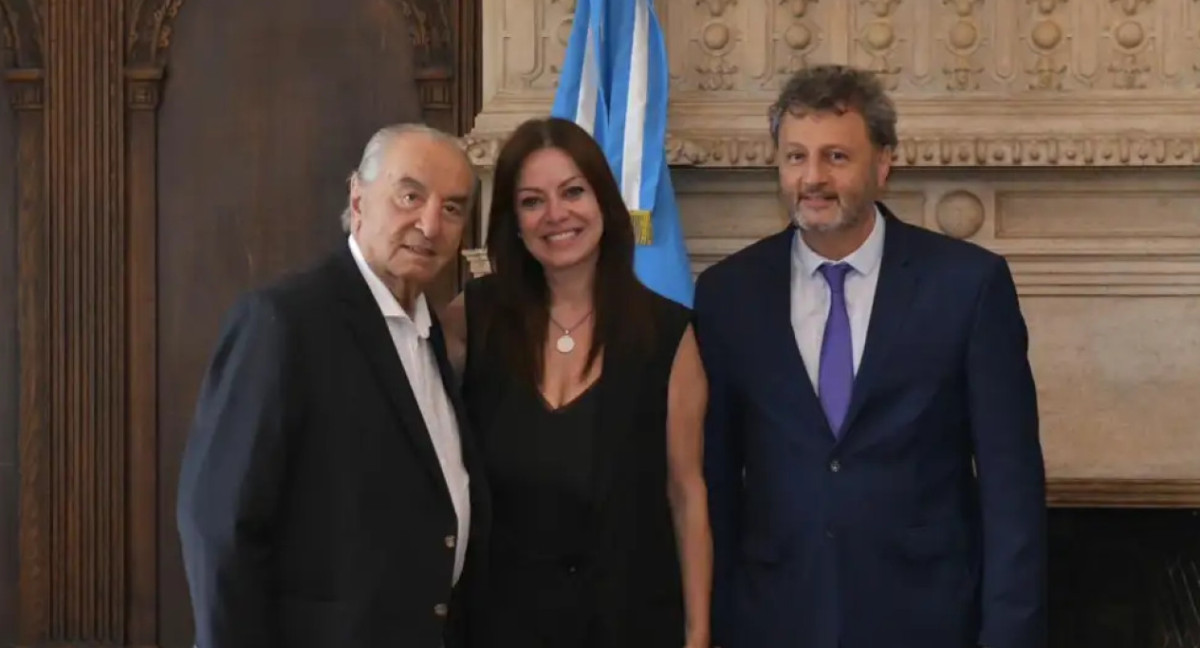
(933, 150)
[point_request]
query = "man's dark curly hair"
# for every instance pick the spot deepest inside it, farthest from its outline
(837, 89)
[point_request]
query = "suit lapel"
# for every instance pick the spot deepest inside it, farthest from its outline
(779, 335)
(893, 301)
(371, 331)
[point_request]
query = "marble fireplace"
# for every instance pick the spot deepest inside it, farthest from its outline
(1062, 134)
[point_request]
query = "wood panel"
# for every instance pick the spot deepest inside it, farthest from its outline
(101, 343)
(256, 140)
(86, 261)
(73, 536)
(8, 373)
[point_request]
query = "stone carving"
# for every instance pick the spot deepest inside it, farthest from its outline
(482, 150)
(1099, 150)
(1043, 40)
(716, 8)
(792, 40)
(960, 214)
(962, 42)
(525, 43)
(715, 41)
(1131, 41)
(1031, 81)
(149, 33)
(878, 39)
(999, 46)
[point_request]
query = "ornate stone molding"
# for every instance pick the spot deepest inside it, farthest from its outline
(1004, 83)
(933, 150)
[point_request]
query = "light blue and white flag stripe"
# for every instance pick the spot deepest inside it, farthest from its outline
(615, 84)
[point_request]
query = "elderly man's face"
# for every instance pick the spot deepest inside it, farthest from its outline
(409, 220)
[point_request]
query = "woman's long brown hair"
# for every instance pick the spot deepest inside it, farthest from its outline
(622, 304)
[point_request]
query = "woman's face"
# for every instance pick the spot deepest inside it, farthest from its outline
(558, 215)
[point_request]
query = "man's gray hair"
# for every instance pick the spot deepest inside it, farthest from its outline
(836, 89)
(372, 157)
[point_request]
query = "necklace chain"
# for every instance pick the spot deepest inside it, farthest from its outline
(567, 331)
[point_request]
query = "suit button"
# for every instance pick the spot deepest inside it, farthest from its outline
(835, 466)
(449, 542)
(440, 609)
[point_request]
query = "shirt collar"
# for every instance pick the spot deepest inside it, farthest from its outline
(388, 305)
(864, 260)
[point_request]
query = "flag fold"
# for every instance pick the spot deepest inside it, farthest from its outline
(615, 84)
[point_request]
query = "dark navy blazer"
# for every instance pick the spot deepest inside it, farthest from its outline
(924, 525)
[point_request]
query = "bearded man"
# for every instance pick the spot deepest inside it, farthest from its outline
(872, 454)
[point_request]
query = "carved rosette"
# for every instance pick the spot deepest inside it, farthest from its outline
(960, 214)
(715, 40)
(1131, 37)
(878, 39)
(795, 42)
(1044, 39)
(962, 41)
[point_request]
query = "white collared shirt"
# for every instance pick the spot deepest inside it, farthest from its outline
(810, 296)
(410, 335)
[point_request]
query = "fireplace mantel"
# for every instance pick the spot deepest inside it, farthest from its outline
(1064, 135)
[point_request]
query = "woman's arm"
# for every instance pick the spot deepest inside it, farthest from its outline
(687, 397)
(454, 325)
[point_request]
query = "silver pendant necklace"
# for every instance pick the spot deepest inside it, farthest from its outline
(565, 343)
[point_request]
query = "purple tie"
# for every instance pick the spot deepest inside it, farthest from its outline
(836, 376)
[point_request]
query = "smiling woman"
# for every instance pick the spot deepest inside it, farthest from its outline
(560, 218)
(557, 211)
(587, 393)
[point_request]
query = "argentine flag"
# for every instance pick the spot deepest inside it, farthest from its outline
(614, 84)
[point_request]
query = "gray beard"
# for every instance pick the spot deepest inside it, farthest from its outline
(844, 221)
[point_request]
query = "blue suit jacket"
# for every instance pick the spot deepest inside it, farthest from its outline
(924, 525)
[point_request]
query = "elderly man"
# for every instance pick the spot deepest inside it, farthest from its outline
(326, 497)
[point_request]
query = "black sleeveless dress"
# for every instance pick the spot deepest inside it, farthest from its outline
(582, 551)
